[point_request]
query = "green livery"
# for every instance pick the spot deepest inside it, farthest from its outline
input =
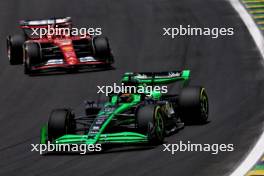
(131, 118)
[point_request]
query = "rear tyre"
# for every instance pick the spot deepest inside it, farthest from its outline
(194, 106)
(101, 49)
(61, 122)
(31, 56)
(150, 121)
(15, 48)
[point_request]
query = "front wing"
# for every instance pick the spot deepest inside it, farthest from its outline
(110, 138)
(60, 64)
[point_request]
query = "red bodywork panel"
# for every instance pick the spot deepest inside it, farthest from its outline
(67, 49)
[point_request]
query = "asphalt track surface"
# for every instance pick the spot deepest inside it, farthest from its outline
(229, 67)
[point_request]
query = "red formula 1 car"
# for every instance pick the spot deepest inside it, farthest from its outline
(49, 52)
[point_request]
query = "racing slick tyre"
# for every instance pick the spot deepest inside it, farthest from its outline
(150, 121)
(194, 106)
(15, 48)
(31, 56)
(101, 49)
(61, 122)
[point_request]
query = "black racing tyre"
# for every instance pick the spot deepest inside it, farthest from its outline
(15, 48)
(32, 56)
(150, 121)
(194, 105)
(101, 49)
(61, 122)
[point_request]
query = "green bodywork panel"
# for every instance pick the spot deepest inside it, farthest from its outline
(122, 137)
(44, 134)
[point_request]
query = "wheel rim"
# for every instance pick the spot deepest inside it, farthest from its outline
(8, 50)
(159, 126)
(204, 105)
(9, 53)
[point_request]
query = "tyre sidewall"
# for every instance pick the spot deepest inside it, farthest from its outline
(31, 56)
(147, 117)
(60, 123)
(101, 49)
(15, 48)
(190, 101)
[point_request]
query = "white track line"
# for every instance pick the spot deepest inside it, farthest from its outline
(252, 158)
(258, 150)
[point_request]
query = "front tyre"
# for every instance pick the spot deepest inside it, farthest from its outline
(150, 121)
(31, 56)
(61, 122)
(101, 49)
(194, 105)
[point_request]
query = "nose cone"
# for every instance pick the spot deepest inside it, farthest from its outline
(67, 50)
(72, 61)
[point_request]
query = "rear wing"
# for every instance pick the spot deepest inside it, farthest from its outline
(45, 23)
(156, 78)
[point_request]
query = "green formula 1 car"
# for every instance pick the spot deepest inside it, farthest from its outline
(132, 118)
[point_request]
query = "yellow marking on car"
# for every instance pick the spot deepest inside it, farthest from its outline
(67, 48)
